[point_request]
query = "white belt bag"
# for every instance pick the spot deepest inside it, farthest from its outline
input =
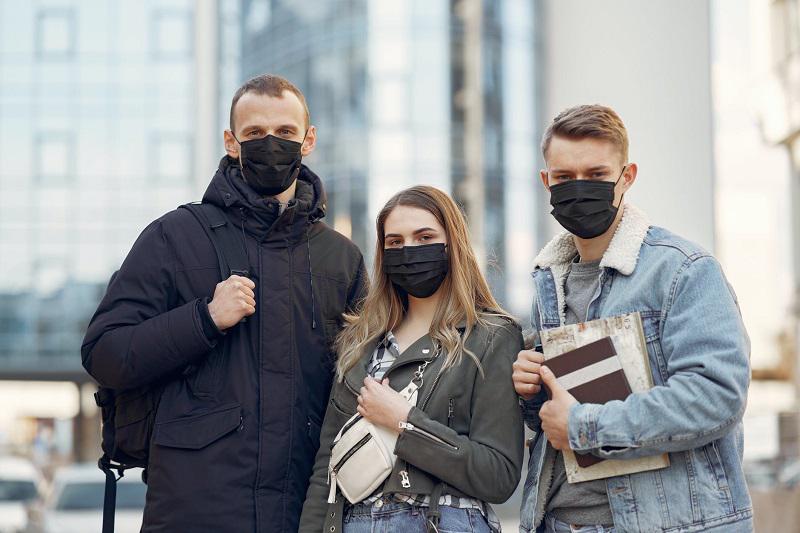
(362, 455)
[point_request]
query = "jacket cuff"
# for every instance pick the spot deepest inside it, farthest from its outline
(582, 424)
(186, 331)
(530, 411)
(210, 329)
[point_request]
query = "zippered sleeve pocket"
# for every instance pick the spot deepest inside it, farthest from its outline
(412, 429)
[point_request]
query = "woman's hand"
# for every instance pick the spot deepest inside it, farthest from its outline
(382, 405)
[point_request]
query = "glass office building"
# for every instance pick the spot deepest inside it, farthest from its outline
(96, 140)
(405, 93)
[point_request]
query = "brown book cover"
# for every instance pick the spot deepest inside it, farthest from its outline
(592, 374)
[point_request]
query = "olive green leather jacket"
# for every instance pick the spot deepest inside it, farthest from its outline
(467, 427)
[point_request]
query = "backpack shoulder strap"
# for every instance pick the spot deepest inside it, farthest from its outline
(228, 244)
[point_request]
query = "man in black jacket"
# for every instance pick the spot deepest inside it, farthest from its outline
(236, 430)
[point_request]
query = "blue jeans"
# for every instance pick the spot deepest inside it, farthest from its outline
(393, 517)
(557, 526)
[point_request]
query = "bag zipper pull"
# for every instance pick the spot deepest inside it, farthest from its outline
(404, 481)
(332, 483)
(406, 425)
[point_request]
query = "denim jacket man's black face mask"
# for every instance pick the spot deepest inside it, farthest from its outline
(418, 270)
(270, 164)
(585, 208)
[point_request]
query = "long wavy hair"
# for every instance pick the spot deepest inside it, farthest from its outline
(465, 295)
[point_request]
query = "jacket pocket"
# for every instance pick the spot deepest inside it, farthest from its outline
(715, 465)
(651, 321)
(198, 431)
(203, 378)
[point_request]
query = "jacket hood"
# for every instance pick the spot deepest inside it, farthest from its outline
(259, 215)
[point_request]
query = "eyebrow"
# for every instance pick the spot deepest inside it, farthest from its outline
(417, 232)
(248, 127)
(569, 171)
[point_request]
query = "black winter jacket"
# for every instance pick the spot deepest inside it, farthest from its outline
(236, 430)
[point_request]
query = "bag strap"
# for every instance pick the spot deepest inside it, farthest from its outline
(228, 244)
(110, 494)
(409, 394)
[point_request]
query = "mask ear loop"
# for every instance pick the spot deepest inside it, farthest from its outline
(615, 185)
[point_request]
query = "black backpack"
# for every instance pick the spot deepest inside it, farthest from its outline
(128, 415)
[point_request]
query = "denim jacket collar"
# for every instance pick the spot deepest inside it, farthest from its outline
(622, 253)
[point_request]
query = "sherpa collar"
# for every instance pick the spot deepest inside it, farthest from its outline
(622, 253)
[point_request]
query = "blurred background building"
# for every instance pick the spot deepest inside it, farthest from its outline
(112, 112)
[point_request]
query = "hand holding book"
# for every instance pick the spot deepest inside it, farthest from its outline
(555, 412)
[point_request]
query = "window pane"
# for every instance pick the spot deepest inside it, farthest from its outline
(56, 32)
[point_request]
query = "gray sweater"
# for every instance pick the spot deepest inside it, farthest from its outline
(577, 503)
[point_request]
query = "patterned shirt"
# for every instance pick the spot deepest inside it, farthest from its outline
(382, 358)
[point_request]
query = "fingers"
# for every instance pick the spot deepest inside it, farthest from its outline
(531, 356)
(246, 282)
(549, 379)
(522, 367)
(527, 390)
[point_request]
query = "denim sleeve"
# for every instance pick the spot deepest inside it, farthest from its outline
(706, 350)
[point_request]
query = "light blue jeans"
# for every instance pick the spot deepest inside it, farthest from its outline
(557, 526)
(393, 517)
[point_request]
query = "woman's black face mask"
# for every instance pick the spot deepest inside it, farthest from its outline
(270, 164)
(418, 270)
(585, 207)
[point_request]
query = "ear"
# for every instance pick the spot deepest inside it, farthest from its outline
(311, 141)
(231, 144)
(543, 176)
(629, 176)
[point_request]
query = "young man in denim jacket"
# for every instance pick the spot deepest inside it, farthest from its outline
(610, 262)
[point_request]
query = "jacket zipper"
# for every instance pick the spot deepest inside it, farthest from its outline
(450, 411)
(334, 470)
(408, 426)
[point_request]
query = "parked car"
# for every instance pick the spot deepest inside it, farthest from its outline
(19, 482)
(74, 503)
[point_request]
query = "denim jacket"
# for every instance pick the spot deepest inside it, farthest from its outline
(699, 355)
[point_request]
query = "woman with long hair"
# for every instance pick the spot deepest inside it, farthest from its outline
(428, 321)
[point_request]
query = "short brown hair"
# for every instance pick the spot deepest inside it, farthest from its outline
(271, 85)
(595, 121)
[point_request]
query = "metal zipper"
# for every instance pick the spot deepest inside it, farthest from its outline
(450, 411)
(346, 428)
(357, 446)
(334, 470)
(408, 426)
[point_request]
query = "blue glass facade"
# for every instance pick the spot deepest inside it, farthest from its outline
(402, 93)
(96, 140)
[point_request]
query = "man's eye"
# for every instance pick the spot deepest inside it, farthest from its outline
(598, 175)
(563, 177)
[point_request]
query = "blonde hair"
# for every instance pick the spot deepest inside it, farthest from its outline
(465, 294)
(595, 121)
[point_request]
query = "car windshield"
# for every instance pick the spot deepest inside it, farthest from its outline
(12, 490)
(83, 496)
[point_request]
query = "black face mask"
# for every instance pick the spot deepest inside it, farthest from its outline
(584, 207)
(271, 164)
(418, 270)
